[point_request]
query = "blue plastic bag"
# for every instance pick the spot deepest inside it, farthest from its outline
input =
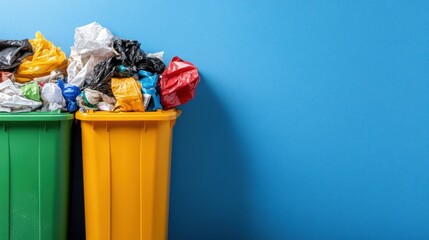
(70, 92)
(149, 86)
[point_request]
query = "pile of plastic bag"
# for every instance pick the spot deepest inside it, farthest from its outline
(103, 72)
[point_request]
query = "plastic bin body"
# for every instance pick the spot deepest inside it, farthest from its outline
(126, 164)
(34, 175)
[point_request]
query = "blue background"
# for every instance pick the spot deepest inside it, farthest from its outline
(311, 119)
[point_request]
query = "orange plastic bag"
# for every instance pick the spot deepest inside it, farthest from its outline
(46, 58)
(127, 92)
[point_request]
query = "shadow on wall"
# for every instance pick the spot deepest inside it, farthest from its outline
(209, 181)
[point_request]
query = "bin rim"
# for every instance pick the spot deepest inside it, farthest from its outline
(35, 116)
(162, 115)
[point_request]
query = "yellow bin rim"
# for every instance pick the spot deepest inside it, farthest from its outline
(163, 115)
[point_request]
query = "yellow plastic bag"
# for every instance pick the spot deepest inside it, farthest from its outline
(128, 94)
(45, 59)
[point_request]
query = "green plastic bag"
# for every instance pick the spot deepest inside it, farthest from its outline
(31, 91)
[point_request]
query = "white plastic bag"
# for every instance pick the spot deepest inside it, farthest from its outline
(93, 44)
(7, 87)
(11, 99)
(16, 103)
(52, 97)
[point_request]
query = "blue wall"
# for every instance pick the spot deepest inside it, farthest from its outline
(311, 121)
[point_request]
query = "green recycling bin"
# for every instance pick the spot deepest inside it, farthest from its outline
(34, 175)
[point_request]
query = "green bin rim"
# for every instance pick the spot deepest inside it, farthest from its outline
(35, 116)
(104, 116)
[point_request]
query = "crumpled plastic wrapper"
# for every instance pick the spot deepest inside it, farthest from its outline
(91, 99)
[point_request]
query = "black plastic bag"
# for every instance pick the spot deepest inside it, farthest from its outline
(129, 53)
(132, 57)
(153, 65)
(103, 72)
(128, 61)
(12, 52)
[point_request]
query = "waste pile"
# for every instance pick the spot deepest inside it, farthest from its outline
(103, 73)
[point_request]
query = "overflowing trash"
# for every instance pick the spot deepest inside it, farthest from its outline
(46, 58)
(103, 72)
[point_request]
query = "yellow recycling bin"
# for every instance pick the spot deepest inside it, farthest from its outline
(126, 168)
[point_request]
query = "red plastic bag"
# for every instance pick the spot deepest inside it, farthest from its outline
(178, 83)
